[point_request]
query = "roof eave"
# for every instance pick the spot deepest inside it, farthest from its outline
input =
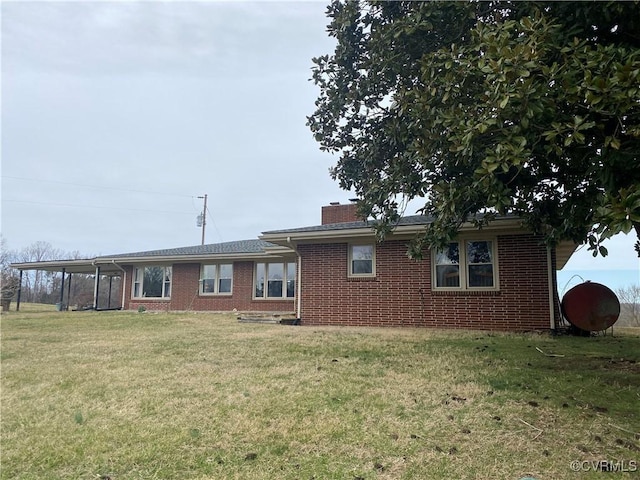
(564, 251)
(194, 258)
(112, 264)
(331, 236)
(86, 266)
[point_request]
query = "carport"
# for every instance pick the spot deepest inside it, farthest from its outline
(67, 268)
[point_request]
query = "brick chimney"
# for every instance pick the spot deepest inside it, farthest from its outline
(336, 213)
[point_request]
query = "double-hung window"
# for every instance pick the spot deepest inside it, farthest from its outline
(466, 265)
(275, 280)
(216, 279)
(152, 282)
(362, 260)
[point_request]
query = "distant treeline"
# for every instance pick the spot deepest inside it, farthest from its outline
(44, 287)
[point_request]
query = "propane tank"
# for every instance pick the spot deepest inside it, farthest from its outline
(591, 306)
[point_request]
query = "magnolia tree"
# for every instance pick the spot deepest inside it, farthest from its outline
(525, 108)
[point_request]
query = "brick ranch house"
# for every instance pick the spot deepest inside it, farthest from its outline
(498, 278)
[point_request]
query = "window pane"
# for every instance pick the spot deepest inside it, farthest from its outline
(448, 275)
(481, 275)
(208, 282)
(361, 259)
(226, 275)
(208, 272)
(362, 266)
(137, 279)
(448, 266)
(274, 288)
(167, 281)
(448, 256)
(226, 271)
(478, 252)
(276, 276)
(291, 279)
(260, 279)
(208, 285)
(225, 285)
(276, 271)
(362, 252)
(152, 284)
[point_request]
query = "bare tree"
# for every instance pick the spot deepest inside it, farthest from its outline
(629, 305)
(9, 282)
(37, 284)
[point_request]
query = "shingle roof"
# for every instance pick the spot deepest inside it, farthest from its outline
(404, 221)
(237, 247)
(410, 220)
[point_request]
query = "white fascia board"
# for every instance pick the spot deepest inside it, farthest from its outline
(333, 236)
(317, 236)
(165, 259)
(70, 266)
(280, 251)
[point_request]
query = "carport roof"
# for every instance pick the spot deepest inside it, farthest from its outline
(109, 264)
(237, 247)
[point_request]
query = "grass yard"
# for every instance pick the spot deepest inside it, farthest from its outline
(122, 395)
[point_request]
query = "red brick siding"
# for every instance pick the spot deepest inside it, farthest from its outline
(401, 293)
(185, 293)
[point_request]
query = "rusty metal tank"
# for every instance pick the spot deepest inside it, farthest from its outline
(591, 306)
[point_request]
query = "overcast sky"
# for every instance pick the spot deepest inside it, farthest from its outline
(116, 116)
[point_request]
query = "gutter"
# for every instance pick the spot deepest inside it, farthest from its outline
(160, 259)
(341, 234)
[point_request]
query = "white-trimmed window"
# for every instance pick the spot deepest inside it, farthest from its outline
(275, 280)
(362, 260)
(466, 265)
(216, 279)
(152, 282)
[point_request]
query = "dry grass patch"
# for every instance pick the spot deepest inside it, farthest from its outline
(121, 395)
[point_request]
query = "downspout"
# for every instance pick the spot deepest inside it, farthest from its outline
(298, 280)
(552, 321)
(123, 283)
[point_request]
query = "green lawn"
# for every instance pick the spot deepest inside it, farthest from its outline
(122, 395)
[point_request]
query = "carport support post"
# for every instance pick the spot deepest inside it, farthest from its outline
(95, 290)
(64, 272)
(69, 290)
(19, 293)
(109, 300)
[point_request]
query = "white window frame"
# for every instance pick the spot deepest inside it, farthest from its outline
(138, 281)
(464, 266)
(351, 260)
(216, 279)
(287, 277)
